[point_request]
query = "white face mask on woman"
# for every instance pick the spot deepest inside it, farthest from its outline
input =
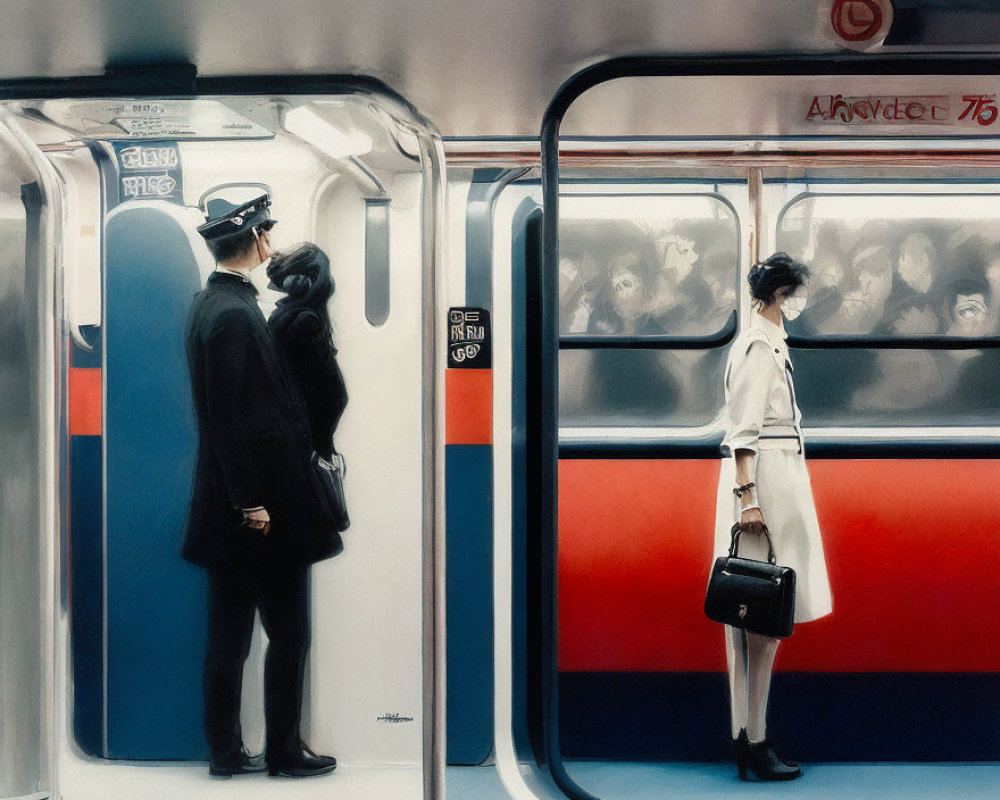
(795, 302)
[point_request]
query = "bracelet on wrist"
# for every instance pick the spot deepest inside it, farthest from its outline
(749, 507)
(746, 487)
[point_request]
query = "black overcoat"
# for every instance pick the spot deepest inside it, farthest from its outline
(303, 344)
(253, 438)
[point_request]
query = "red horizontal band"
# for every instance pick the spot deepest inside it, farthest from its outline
(908, 547)
(85, 401)
(469, 406)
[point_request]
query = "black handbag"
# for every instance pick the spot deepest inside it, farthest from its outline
(758, 596)
(328, 482)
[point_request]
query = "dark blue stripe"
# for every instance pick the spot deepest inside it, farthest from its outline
(469, 475)
(890, 716)
(86, 557)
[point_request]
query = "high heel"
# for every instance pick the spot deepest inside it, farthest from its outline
(763, 761)
(741, 753)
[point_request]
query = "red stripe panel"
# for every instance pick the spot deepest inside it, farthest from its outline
(85, 401)
(469, 406)
(910, 548)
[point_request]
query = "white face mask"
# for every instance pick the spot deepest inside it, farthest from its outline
(795, 303)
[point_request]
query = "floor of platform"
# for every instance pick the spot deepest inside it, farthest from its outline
(103, 781)
(606, 780)
(629, 781)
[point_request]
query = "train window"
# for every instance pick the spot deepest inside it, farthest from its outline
(637, 266)
(899, 266)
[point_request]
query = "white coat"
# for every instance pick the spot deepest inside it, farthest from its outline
(761, 415)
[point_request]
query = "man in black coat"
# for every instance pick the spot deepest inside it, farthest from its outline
(255, 523)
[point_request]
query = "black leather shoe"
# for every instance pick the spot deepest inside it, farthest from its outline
(241, 764)
(302, 764)
(763, 761)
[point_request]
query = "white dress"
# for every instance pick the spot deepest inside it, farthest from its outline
(761, 415)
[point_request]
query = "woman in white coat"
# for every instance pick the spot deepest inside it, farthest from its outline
(764, 481)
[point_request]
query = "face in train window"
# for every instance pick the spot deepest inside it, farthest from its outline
(917, 262)
(967, 307)
(677, 253)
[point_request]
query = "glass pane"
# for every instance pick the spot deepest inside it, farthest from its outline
(640, 387)
(861, 388)
(646, 265)
(897, 265)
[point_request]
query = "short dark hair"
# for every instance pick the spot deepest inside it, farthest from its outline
(774, 273)
(235, 245)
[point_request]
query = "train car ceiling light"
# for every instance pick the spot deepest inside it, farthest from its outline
(310, 127)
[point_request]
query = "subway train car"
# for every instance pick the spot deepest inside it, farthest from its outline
(540, 219)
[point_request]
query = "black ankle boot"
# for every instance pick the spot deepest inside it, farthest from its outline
(763, 761)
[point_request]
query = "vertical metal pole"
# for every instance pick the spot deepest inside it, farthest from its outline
(434, 641)
(755, 188)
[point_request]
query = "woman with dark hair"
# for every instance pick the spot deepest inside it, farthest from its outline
(764, 479)
(300, 327)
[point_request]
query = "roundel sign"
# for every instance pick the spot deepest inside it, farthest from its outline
(856, 24)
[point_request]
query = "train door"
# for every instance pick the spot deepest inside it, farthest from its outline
(356, 173)
(29, 220)
(636, 308)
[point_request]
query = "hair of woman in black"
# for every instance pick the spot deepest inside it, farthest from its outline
(774, 273)
(302, 334)
(303, 272)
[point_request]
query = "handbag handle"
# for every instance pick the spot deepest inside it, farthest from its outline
(734, 544)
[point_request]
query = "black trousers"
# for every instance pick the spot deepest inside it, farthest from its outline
(280, 592)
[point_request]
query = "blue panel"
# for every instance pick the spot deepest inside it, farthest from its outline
(156, 617)
(885, 716)
(86, 556)
(469, 475)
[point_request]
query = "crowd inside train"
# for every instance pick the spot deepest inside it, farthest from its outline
(874, 278)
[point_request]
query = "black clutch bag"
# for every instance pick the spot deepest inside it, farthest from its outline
(328, 483)
(758, 596)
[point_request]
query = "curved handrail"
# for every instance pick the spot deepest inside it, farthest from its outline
(913, 342)
(584, 341)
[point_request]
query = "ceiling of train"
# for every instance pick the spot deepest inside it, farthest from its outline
(480, 68)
